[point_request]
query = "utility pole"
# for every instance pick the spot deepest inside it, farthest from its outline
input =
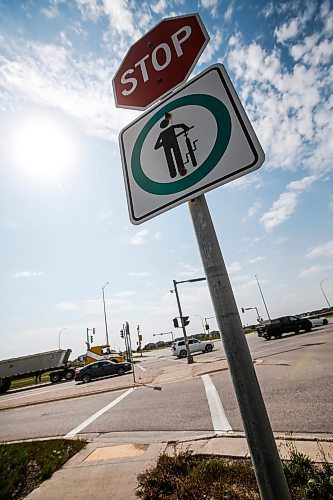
(265, 458)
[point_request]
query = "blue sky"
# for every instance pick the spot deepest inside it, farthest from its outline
(64, 223)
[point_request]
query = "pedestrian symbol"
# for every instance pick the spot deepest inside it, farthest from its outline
(168, 140)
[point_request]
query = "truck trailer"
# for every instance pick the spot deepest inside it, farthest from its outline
(34, 365)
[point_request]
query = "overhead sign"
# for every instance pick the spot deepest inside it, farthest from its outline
(195, 141)
(160, 61)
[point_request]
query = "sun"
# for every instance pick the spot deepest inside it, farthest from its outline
(43, 148)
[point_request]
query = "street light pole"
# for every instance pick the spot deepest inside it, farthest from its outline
(256, 277)
(321, 286)
(106, 325)
(189, 356)
(59, 336)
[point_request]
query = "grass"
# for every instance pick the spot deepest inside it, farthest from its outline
(25, 382)
(185, 476)
(23, 466)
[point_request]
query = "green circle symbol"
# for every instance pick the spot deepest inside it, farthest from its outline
(223, 122)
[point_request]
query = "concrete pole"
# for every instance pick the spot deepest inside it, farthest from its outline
(265, 458)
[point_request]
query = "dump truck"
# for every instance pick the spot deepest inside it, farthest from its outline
(34, 365)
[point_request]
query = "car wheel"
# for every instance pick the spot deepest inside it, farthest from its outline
(183, 354)
(120, 371)
(325, 321)
(69, 375)
(268, 337)
(55, 377)
(86, 378)
(308, 329)
(209, 348)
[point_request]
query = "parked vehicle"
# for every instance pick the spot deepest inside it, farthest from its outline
(317, 320)
(286, 324)
(100, 369)
(178, 348)
(35, 365)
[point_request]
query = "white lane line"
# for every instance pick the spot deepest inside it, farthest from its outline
(98, 414)
(219, 419)
(141, 368)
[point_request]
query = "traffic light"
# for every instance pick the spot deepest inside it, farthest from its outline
(175, 323)
(94, 331)
(185, 320)
(122, 333)
(207, 326)
(243, 310)
(91, 339)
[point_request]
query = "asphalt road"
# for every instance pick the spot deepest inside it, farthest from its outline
(294, 373)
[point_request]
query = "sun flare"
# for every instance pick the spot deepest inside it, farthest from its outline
(43, 149)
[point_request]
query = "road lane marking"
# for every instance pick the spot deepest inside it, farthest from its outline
(141, 368)
(219, 419)
(98, 413)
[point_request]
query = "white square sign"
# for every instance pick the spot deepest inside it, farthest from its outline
(194, 141)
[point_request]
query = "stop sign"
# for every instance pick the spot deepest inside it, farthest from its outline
(160, 61)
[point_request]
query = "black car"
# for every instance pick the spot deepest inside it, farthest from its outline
(286, 324)
(99, 369)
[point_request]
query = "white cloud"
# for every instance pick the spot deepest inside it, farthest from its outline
(140, 237)
(256, 259)
(290, 107)
(90, 9)
(234, 267)
(51, 75)
(253, 210)
(212, 48)
(125, 293)
(285, 205)
(28, 274)
(139, 274)
(287, 30)
(189, 271)
(304, 273)
(67, 306)
(229, 12)
(106, 216)
(325, 250)
(302, 184)
(209, 4)
(280, 211)
(159, 7)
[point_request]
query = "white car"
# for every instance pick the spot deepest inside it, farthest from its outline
(318, 321)
(178, 348)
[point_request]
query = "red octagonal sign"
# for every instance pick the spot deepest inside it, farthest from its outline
(160, 61)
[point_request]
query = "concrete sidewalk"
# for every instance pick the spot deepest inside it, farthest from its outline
(108, 467)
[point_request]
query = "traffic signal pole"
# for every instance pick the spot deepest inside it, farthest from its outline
(265, 458)
(189, 355)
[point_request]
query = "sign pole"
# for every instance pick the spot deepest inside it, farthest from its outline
(265, 458)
